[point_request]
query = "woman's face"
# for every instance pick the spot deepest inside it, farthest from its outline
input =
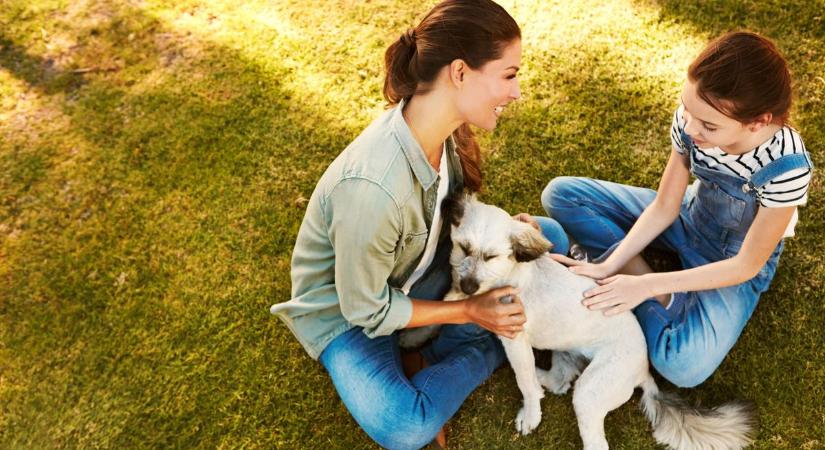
(487, 90)
(706, 125)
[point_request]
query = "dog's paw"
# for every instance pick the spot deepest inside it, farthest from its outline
(552, 381)
(527, 419)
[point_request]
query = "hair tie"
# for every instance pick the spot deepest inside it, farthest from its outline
(408, 37)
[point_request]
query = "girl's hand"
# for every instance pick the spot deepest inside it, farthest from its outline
(528, 219)
(591, 270)
(618, 294)
(503, 319)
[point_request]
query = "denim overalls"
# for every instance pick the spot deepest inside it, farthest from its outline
(688, 340)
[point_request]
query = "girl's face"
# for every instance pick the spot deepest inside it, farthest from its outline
(486, 91)
(707, 126)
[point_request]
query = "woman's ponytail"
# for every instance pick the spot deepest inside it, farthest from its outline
(400, 82)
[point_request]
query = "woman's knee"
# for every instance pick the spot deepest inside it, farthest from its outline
(393, 430)
(554, 232)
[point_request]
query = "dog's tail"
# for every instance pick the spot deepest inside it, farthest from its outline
(681, 426)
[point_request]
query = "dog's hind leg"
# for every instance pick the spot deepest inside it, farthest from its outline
(605, 384)
(520, 354)
(566, 367)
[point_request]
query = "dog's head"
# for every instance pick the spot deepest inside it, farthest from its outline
(487, 243)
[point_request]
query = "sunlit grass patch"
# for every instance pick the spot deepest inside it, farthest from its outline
(156, 157)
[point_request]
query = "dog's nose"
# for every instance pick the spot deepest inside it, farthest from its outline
(469, 286)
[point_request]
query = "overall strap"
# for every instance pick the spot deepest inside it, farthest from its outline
(776, 168)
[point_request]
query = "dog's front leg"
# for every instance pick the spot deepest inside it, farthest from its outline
(520, 354)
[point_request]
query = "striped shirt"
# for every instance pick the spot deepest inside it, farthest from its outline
(788, 189)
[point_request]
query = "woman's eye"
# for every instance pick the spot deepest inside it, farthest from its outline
(708, 128)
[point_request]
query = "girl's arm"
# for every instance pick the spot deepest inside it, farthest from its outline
(764, 234)
(623, 292)
(656, 218)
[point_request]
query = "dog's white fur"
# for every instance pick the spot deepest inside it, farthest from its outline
(608, 354)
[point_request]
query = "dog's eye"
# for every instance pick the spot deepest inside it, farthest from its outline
(464, 248)
(488, 257)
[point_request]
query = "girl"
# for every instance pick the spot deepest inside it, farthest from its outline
(752, 171)
(372, 246)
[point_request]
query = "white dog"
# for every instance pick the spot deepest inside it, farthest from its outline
(490, 249)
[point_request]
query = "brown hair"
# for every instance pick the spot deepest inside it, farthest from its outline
(475, 31)
(743, 75)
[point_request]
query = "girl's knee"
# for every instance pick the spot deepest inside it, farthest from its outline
(684, 369)
(557, 192)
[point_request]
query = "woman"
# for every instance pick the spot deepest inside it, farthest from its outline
(372, 248)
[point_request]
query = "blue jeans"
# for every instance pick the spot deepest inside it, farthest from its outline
(406, 413)
(687, 341)
(554, 233)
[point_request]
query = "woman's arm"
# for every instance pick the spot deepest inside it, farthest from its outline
(364, 226)
(623, 292)
(485, 309)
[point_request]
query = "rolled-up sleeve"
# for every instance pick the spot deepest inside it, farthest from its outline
(364, 228)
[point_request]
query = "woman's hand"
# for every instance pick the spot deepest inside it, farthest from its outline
(618, 294)
(528, 219)
(503, 319)
(596, 271)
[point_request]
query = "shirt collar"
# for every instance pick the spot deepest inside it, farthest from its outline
(422, 169)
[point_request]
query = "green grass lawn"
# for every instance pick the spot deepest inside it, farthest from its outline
(156, 157)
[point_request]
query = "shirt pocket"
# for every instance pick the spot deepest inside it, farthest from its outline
(410, 250)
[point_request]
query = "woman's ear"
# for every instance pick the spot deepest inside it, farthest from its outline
(457, 69)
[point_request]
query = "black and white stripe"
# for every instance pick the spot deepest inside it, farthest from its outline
(789, 189)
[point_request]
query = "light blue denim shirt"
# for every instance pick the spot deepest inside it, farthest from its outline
(363, 234)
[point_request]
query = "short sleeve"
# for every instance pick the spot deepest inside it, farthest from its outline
(677, 126)
(789, 188)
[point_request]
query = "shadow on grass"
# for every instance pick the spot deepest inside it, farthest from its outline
(137, 309)
(142, 299)
(798, 28)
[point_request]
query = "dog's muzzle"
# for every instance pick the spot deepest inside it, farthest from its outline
(469, 286)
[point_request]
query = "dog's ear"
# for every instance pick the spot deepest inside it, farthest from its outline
(528, 243)
(452, 207)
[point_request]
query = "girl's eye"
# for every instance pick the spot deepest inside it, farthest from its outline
(708, 128)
